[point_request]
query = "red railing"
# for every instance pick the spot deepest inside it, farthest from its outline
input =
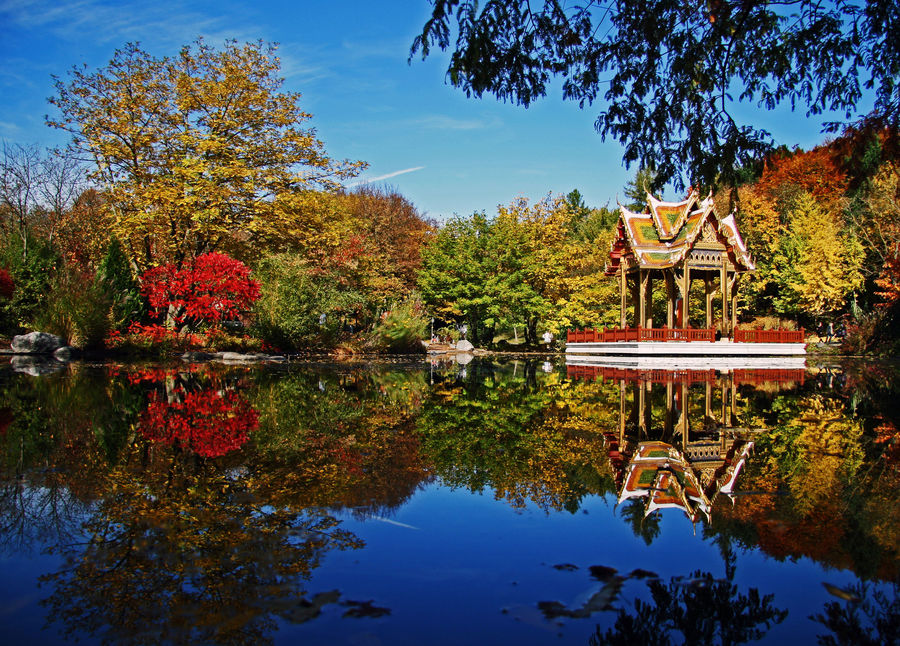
(740, 375)
(592, 335)
(770, 336)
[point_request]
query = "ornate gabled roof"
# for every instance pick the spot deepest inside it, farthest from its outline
(666, 232)
(659, 473)
(669, 217)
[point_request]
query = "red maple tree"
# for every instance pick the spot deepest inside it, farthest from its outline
(7, 287)
(213, 288)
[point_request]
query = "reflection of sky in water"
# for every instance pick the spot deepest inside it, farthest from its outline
(453, 566)
(469, 558)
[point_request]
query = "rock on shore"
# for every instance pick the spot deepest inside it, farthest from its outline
(36, 343)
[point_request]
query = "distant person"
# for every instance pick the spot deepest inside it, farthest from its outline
(548, 337)
(830, 333)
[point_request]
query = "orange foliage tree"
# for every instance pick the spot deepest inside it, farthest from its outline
(816, 171)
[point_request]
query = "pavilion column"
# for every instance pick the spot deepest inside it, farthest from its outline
(647, 408)
(707, 412)
(725, 404)
(734, 297)
(710, 294)
(670, 299)
(732, 401)
(723, 281)
(685, 423)
(634, 412)
(685, 296)
(647, 321)
(622, 401)
(641, 309)
(623, 293)
(670, 409)
(642, 409)
(636, 297)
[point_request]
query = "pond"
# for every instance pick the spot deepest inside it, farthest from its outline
(411, 503)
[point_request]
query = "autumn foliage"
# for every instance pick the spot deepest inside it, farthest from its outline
(211, 289)
(815, 172)
(7, 287)
(209, 423)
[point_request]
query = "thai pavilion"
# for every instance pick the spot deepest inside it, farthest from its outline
(676, 243)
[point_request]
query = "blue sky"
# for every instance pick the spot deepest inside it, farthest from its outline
(447, 153)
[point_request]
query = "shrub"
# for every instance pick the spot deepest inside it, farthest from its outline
(874, 333)
(77, 309)
(7, 289)
(402, 328)
(301, 305)
(7, 286)
(154, 340)
(770, 323)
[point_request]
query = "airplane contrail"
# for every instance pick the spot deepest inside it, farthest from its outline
(386, 176)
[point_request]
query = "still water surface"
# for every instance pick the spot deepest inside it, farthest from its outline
(508, 501)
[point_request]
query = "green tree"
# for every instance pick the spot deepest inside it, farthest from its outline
(538, 266)
(453, 279)
(672, 76)
(301, 304)
(115, 277)
(32, 275)
(200, 152)
(636, 189)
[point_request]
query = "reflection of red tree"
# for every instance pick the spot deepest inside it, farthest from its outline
(6, 418)
(210, 423)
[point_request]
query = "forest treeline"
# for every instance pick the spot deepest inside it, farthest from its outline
(195, 205)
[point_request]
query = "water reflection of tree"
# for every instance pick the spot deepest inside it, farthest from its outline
(341, 440)
(58, 434)
(167, 536)
(701, 609)
(32, 516)
(822, 486)
(867, 616)
(185, 554)
(646, 527)
(529, 438)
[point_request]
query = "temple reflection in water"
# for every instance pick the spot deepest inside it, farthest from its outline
(680, 443)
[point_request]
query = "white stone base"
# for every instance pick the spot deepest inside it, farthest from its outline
(723, 348)
(721, 363)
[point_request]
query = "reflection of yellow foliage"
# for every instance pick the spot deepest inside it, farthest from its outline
(568, 441)
(179, 553)
(829, 447)
(880, 509)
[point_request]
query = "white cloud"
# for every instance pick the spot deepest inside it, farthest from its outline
(118, 22)
(9, 128)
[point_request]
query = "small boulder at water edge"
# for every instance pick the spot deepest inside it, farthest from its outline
(36, 343)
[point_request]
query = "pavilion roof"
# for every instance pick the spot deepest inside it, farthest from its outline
(665, 478)
(664, 234)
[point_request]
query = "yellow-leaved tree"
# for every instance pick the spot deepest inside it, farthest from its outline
(817, 266)
(199, 152)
